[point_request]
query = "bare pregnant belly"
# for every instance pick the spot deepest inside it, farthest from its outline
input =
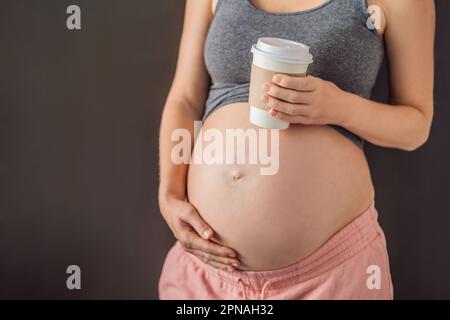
(323, 182)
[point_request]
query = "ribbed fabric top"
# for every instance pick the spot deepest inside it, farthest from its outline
(345, 50)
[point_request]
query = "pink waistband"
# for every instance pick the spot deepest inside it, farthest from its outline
(347, 242)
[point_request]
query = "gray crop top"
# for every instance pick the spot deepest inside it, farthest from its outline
(345, 50)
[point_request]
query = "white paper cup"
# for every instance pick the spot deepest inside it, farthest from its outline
(274, 56)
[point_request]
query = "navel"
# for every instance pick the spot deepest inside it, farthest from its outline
(237, 174)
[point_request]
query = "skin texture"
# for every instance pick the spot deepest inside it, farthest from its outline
(408, 30)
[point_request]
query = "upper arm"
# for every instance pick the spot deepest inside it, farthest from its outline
(191, 81)
(409, 38)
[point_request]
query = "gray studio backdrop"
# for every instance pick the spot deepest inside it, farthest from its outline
(79, 118)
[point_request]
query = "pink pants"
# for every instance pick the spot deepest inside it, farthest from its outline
(353, 264)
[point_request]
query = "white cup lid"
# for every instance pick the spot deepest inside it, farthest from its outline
(283, 50)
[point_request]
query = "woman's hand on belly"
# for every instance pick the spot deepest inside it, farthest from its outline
(305, 100)
(195, 235)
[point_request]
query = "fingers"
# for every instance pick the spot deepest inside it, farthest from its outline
(220, 266)
(299, 119)
(193, 218)
(292, 109)
(288, 95)
(191, 240)
(195, 235)
(224, 263)
(292, 89)
(307, 83)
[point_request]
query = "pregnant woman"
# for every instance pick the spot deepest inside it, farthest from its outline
(310, 231)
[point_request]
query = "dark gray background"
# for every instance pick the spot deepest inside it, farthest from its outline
(79, 118)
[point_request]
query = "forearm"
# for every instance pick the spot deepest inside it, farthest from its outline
(395, 126)
(177, 115)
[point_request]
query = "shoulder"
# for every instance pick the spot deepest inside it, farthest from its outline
(406, 8)
(393, 12)
(406, 4)
(198, 10)
(205, 5)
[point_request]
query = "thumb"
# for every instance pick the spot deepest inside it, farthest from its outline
(200, 226)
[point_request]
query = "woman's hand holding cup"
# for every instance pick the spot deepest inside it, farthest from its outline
(304, 100)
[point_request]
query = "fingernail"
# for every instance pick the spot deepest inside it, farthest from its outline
(206, 233)
(234, 265)
(266, 86)
(231, 269)
(264, 99)
(273, 112)
(276, 79)
(232, 255)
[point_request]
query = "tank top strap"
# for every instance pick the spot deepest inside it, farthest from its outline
(218, 5)
(365, 13)
(234, 4)
(362, 6)
(353, 9)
